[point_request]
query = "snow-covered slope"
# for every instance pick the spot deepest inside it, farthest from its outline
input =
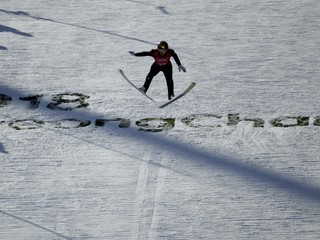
(83, 155)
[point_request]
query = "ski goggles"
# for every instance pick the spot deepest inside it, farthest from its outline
(162, 51)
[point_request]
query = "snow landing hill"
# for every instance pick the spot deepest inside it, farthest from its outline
(83, 155)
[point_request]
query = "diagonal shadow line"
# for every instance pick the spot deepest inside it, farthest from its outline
(122, 152)
(126, 154)
(25, 14)
(109, 149)
(140, 2)
(13, 30)
(36, 225)
(161, 8)
(10, 92)
(213, 160)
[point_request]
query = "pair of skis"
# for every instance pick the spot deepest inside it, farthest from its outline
(188, 89)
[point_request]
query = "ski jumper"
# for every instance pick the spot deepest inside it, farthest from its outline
(161, 64)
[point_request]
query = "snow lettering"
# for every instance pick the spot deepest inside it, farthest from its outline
(70, 101)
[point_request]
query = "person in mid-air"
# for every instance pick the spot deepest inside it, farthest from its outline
(161, 63)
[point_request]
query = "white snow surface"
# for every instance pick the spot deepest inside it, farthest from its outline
(208, 176)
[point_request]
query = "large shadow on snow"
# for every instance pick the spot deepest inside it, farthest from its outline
(25, 14)
(300, 190)
(297, 189)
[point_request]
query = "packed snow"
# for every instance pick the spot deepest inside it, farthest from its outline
(84, 155)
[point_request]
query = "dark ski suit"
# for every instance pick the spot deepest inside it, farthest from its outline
(161, 64)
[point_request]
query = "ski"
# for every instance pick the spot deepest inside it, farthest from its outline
(188, 89)
(179, 96)
(125, 77)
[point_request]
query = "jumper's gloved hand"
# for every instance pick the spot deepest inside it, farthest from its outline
(132, 53)
(182, 68)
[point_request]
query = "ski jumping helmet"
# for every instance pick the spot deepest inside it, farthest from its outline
(163, 45)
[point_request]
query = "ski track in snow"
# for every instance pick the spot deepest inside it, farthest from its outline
(206, 177)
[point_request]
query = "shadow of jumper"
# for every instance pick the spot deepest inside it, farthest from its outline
(25, 14)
